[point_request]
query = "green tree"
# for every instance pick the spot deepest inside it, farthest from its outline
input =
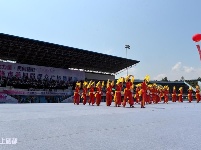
(182, 78)
(164, 79)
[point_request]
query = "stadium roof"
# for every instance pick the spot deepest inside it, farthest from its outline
(33, 52)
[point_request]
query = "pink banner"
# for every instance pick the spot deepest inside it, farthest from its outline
(38, 72)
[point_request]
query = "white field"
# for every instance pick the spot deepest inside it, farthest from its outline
(64, 126)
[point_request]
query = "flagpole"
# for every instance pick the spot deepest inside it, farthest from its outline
(126, 58)
(127, 47)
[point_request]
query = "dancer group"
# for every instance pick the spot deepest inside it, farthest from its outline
(145, 93)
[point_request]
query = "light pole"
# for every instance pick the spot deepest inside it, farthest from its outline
(127, 47)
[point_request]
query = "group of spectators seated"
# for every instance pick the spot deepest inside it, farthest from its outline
(35, 84)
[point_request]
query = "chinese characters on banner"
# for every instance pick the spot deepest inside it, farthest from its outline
(38, 72)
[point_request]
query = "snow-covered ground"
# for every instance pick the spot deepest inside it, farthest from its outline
(64, 126)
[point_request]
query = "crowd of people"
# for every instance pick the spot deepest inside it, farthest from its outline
(35, 84)
(145, 93)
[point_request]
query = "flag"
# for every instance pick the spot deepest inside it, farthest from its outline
(199, 50)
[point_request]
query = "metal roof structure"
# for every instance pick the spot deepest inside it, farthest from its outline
(33, 52)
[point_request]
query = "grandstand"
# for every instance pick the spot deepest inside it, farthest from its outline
(37, 67)
(33, 52)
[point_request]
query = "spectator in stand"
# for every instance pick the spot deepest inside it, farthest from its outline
(35, 84)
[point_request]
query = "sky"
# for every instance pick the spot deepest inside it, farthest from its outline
(159, 32)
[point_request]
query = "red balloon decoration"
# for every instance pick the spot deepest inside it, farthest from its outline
(196, 37)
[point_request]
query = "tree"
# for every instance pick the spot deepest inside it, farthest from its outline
(164, 79)
(182, 78)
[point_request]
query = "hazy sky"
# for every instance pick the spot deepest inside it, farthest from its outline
(158, 31)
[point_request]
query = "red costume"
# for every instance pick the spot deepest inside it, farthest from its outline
(157, 96)
(144, 93)
(190, 95)
(166, 92)
(118, 92)
(84, 95)
(174, 95)
(154, 92)
(98, 93)
(151, 96)
(137, 95)
(180, 94)
(98, 96)
(91, 94)
(76, 94)
(161, 94)
(148, 95)
(198, 98)
(128, 93)
(109, 94)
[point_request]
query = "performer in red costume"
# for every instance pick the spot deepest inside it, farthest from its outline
(157, 95)
(128, 91)
(84, 92)
(144, 91)
(99, 92)
(198, 97)
(91, 93)
(151, 90)
(174, 94)
(109, 92)
(117, 97)
(190, 94)
(137, 94)
(166, 93)
(154, 92)
(77, 94)
(148, 95)
(161, 93)
(180, 94)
